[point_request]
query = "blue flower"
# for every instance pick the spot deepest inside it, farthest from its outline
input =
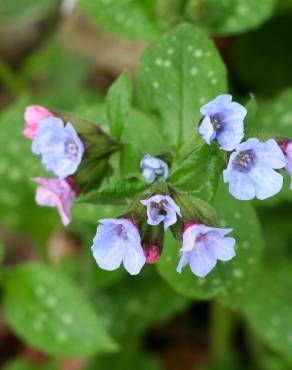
(153, 167)
(203, 246)
(161, 208)
(250, 171)
(118, 241)
(60, 147)
(223, 121)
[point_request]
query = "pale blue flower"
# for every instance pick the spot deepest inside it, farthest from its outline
(118, 241)
(203, 246)
(59, 146)
(250, 171)
(161, 208)
(153, 167)
(223, 121)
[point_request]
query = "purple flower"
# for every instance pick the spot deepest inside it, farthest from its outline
(161, 208)
(59, 145)
(153, 167)
(203, 246)
(286, 147)
(250, 171)
(223, 121)
(118, 241)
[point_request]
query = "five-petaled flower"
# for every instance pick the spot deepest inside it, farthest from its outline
(153, 167)
(33, 116)
(250, 171)
(56, 193)
(223, 121)
(59, 145)
(161, 208)
(203, 246)
(118, 241)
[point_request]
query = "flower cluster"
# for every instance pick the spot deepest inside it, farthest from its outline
(251, 171)
(61, 151)
(136, 237)
(119, 241)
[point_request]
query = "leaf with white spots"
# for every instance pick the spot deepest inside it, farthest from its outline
(268, 308)
(229, 16)
(177, 74)
(275, 115)
(228, 281)
(47, 310)
(134, 19)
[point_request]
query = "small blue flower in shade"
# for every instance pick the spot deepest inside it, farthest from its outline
(153, 167)
(223, 121)
(203, 246)
(161, 208)
(59, 146)
(251, 170)
(118, 241)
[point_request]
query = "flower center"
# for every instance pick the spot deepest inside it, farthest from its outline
(216, 122)
(71, 148)
(244, 161)
(200, 237)
(121, 231)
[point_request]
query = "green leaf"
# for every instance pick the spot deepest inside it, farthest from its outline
(130, 158)
(229, 16)
(18, 209)
(116, 193)
(119, 100)
(177, 74)
(252, 110)
(275, 115)
(268, 308)
(46, 309)
(199, 173)
(132, 19)
(138, 131)
(229, 281)
(145, 300)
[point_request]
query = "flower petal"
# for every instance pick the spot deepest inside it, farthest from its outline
(216, 105)
(240, 185)
(201, 260)
(221, 248)
(267, 181)
(207, 131)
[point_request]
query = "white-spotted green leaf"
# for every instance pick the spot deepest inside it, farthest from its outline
(177, 74)
(275, 115)
(47, 310)
(229, 16)
(133, 19)
(268, 308)
(228, 281)
(119, 100)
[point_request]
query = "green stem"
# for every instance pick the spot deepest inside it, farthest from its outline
(222, 326)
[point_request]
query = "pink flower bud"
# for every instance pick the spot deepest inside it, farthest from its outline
(33, 115)
(56, 193)
(152, 254)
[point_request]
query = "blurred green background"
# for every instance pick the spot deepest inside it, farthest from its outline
(64, 312)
